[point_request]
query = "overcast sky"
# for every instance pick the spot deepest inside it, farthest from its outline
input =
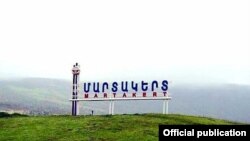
(178, 40)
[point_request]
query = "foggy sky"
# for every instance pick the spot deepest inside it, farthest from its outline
(183, 41)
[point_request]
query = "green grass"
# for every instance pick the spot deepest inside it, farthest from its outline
(90, 128)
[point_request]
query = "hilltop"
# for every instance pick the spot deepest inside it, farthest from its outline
(42, 96)
(105, 127)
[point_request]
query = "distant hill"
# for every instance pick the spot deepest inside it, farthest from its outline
(34, 95)
(39, 96)
(104, 128)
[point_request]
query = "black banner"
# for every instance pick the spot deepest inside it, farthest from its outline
(203, 132)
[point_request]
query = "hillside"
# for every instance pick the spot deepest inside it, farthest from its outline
(40, 96)
(105, 128)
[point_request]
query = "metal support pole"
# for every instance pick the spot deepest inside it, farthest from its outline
(110, 107)
(113, 106)
(76, 95)
(73, 96)
(77, 86)
(166, 107)
(163, 108)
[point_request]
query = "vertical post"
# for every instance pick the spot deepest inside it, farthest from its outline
(110, 107)
(73, 95)
(113, 106)
(77, 90)
(164, 106)
(76, 73)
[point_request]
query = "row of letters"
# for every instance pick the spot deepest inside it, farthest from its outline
(125, 86)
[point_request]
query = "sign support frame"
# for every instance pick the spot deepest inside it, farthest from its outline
(75, 100)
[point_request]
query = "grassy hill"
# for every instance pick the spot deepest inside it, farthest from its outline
(42, 96)
(90, 128)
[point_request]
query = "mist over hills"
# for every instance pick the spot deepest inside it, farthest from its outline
(51, 96)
